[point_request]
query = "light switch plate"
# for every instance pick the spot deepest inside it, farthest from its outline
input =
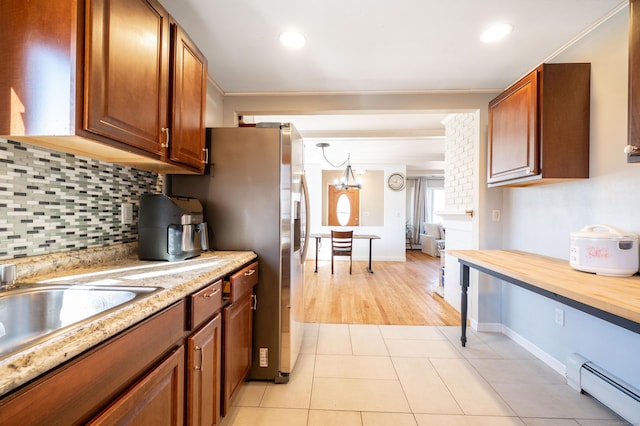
(126, 214)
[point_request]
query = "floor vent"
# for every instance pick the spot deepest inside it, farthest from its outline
(619, 396)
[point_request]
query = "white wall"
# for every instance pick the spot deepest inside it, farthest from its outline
(534, 219)
(390, 246)
(215, 101)
(461, 195)
(540, 219)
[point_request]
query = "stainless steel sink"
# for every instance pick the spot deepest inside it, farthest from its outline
(30, 314)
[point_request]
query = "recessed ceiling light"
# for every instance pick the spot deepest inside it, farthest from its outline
(496, 33)
(292, 39)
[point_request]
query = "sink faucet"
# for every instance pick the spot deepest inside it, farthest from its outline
(7, 276)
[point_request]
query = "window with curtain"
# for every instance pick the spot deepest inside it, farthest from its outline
(437, 203)
(424, 197)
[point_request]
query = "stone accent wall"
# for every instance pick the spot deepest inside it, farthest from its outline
(55, 202)
(460, 132)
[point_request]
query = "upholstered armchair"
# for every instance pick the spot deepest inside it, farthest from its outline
(433, 234)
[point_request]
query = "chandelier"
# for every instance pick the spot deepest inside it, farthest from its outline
(348, 180)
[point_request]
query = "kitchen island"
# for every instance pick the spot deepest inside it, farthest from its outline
(175, 280)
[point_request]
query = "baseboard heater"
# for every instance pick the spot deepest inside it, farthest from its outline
(620, 397)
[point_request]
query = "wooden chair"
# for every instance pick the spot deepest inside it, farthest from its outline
(341, 244)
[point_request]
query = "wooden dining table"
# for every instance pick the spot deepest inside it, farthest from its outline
(369, 237)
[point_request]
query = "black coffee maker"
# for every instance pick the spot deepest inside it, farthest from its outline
(171, 228)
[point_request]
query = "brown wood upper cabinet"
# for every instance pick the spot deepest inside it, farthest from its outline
(115, 80)
(634, 80)
(189, 83)
(127, 73)
(145, 81)
(539, 127)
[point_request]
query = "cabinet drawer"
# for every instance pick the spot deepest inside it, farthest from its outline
(205, 303)
(243, 281)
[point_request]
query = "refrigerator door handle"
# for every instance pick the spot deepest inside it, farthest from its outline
(307, 224)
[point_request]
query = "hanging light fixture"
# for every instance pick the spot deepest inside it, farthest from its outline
(348, 180)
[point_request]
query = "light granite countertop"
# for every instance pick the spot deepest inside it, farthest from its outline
(175, 280)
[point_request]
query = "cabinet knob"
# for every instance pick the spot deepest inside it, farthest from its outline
(206, 156)
(254, 302)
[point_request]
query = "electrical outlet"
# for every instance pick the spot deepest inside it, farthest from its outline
(126, 214)
(559, 317)
(264, 357)
(495, 215)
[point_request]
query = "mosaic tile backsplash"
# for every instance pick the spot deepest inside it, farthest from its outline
(55, 202)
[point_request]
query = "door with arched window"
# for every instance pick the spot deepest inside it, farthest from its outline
(344, 207)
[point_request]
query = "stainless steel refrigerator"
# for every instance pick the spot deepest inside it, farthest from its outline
(254, 198)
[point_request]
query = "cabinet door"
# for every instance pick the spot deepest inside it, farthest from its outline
(237, 320)
(513, 131)
(127, 73)
(634, 78)
(189, 101)
(203, 374)
(157, 399)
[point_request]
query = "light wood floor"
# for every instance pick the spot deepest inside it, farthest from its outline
(397, 293)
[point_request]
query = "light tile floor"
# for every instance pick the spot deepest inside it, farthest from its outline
(369, 375)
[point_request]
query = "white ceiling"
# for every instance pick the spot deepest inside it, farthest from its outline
(415, 139)
(379, 46)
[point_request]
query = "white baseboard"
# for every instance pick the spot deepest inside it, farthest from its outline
(556, 365)
(360, 259)
(473, 323)
(489, 327)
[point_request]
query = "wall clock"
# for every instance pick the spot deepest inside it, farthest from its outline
(396, 181)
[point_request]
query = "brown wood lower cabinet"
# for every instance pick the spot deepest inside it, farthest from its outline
(203, 374)
(238, 327)
(157, 399)
(204, 356)
(81, 389)
(238, 332)
(166, 370)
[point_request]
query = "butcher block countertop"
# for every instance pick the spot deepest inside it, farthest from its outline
(176, 280)
(619, 296)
